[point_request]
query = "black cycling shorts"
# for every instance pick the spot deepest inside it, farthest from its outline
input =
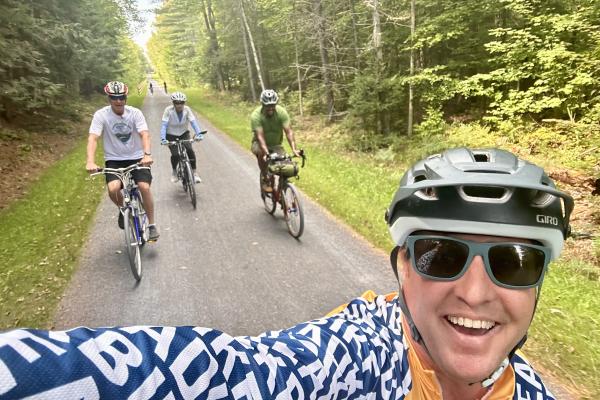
(139, 175)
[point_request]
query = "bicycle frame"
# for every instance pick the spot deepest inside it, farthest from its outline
(134, 216)
(130, 192)
(285, 194)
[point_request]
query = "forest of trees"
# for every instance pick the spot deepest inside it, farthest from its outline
(382, 64)
(56, 49)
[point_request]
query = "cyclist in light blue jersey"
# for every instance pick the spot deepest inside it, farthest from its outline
(453, 331)
(175, 121)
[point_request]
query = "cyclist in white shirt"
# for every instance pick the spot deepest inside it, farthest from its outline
(126, 142)
(175, 122)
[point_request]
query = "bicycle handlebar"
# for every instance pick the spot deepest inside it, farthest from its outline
(171, 142)
(283, 157)
(119, 171)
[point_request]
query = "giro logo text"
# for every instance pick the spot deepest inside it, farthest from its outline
(546, 219)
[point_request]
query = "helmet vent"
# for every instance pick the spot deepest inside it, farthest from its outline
(484, 193)
(481, 157)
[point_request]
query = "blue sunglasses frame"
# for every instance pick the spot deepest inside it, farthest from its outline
(482, 249)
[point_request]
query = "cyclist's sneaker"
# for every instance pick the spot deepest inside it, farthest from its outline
(153, 233)
(197, 179)
(174, 177)
(266, 186)
(121, 221)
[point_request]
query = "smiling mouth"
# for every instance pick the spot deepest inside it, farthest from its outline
(470, 326)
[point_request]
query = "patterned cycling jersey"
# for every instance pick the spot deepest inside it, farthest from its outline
(360, 352)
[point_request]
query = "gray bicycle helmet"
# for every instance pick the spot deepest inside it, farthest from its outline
(269, 97)
(480, 191)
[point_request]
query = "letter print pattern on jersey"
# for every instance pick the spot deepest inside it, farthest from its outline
(358, 353)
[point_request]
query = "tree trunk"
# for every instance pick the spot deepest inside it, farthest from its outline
(320, 25)
(355, 36)
(252, 46)
(209, 21)
(382, 116)
(298, 78)
(248, 63)
(409, 129)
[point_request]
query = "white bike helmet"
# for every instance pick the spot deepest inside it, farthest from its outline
(269, 97)
(178, 96)
(116, 88)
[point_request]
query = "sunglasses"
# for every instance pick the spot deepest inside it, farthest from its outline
(508, 264)
(122, 97)
(178, 102)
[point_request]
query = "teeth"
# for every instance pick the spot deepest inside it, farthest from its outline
(471, 323)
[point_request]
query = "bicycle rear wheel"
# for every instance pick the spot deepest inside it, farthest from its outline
(132, 244)
(267, 198)
(191, 183)
(294, 216)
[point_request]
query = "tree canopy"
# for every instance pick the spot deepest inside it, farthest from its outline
(471, 59)
(50, 49)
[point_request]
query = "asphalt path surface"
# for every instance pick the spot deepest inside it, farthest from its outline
(226, 265)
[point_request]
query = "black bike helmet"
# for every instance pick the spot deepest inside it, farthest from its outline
(480, 191)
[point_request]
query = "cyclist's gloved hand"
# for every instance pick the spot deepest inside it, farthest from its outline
(164, 141)
(199, 137)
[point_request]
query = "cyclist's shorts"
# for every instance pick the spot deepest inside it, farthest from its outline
(272, 149)
(139, 175)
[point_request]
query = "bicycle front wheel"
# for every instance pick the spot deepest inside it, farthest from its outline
(132, 244)
(294, 216)
(191, 183)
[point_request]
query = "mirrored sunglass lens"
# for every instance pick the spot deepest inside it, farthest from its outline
(440, 258)
(118, 97)
(516, 265)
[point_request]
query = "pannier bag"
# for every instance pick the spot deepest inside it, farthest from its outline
(286, 168)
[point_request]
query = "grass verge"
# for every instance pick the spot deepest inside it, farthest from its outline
(564, 338)
(42, 235)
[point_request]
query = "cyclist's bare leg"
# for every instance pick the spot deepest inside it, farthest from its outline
(148, 200)
(114, 192)
(262, 164)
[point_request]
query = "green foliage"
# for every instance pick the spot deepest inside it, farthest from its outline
(543, 64)
(54, 49)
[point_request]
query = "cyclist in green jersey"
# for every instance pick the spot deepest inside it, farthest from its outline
(268, 122)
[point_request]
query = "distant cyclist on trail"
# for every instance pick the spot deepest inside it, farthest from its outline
(452, 332)
(126, 141)
(268, 122)
(165, 86)
(175, 121)
(151, 88)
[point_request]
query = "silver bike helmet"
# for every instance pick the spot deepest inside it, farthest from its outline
(480, 191)
(178, 96)
(269, 97)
